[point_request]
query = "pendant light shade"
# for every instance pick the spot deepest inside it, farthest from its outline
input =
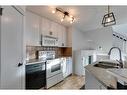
(108, 19)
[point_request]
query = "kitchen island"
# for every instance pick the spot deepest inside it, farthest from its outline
(101, 78)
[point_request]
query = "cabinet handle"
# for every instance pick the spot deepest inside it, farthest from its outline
(20, 64)
(40, 43)
(41, 39)
(50, 33)
(62, 44)
(1, 10)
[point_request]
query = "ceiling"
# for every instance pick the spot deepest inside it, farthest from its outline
(87, 17)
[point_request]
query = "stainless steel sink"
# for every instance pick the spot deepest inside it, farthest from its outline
(106, 65)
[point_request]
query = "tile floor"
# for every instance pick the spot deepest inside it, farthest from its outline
(70, 83)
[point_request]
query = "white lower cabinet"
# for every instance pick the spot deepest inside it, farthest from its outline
(67, 66)
(91, 82)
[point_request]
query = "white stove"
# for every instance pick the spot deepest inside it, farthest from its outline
(54, 67)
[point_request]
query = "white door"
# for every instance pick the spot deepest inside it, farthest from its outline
(11, 48)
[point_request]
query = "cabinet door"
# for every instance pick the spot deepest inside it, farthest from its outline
(70, 65)
(11, 49)
(60, 36)
(45, 26)
(32, 29)
(64, 34)
(69, 37)
(54, 29)
(67, 68)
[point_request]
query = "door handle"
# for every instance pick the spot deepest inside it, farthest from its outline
(20, 64)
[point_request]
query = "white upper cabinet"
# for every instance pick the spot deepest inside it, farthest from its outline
(45, 26)
(60, 40)
(54, 29)
(32, 29)
(62, 36)
(69, 37)
(48, 28)
(37, 26)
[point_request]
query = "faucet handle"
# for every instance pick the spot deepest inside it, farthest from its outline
(120, 63)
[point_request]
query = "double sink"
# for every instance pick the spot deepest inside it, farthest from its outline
(116, 70)
(107, 65)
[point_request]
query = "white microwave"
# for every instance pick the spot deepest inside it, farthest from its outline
(49, 41)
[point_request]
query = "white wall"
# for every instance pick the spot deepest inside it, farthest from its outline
(79, 39)
(122, 29)
(101, 37)
(90, 40)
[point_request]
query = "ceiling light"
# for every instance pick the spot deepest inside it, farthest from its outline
(65, 14)
(53, 11)
(62, 20)
(71, 18)
(108, 19)
(71, 22)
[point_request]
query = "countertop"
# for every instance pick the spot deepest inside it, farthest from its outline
(102, 75)
(120, 74)
(35, 61)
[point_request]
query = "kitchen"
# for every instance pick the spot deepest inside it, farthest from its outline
(41, 52)
(52, 48)
(57, 48)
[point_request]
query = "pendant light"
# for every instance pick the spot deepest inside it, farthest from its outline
(108, 19)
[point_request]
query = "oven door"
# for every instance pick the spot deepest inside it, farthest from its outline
(53, 67)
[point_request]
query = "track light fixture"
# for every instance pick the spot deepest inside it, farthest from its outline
(65, 14)
(108, 19)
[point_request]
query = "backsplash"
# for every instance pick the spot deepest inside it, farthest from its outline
(31, 51)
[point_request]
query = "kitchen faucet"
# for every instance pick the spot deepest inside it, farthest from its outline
(120, 60)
